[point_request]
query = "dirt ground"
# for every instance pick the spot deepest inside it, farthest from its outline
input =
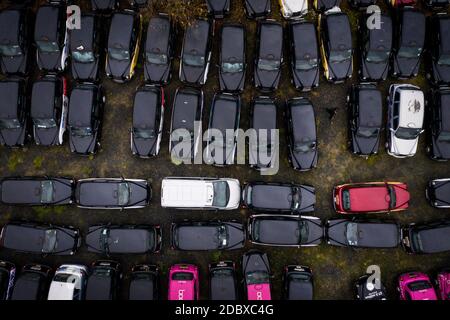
(335, 269)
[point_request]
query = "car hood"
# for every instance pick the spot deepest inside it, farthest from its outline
(144, 147)
(259, 291)
(49, 61)
(86, 71)
(304, 160)
(236, 235)
(232, 81)
(295, 6)
(14, 64)
(139, 194)
(306, 79)
(402, 147)
(308, 199)
(192, 74)
(427, 294)
(442, 148)
(12, 137)
(235, 194)
(66, 242)
(93, 240)
(315, 233)
(406, 67)
(340, 71)
(267, 80)
(441, 73)
(157, 73)
(374, 71)
(83, 145)
(365, 146)
(63, 192)
(118, 69)
(46, 137)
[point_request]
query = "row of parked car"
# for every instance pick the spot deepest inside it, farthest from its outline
(55, 45)
(103, 279)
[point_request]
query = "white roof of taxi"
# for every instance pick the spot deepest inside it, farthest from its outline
(61, 291)
(412, 108)
(186, 193)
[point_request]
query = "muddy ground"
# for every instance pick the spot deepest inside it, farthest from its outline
(335, 269)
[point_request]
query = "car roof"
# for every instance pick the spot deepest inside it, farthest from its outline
(445, 110)
(121, 30)
(300, 290)
(370, 107)
(130, 240)
(278, 231)
(225, 110)
(339, 32)
(185, 109)
(29, 191)
(196, 37)
(442, 190)
(47, 20)
(198, 237)
(271, 196)
(413, 28)
(435, 239)
(187, 192)
(43, 98)
(158, 34)
(146, 104)
(271, 40)
(377, 234)
(9, 91)
(142, 286)
(98, 192)
(61, 291)
(444, 27)
(305, 40)
(9, 26)
(264, 116)
(223, 286)
(412, 108)
(27, 286)
(233, 43)
(80, 107)
(303, 120)
(381, 38)
(98, 287)
(82, 39)
(26, 238)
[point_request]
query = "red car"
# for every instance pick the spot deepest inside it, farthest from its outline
(370, 197)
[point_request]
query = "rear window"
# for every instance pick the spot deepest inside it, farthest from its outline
(223, 273)
(182, 276)
(46, 191)
(346, 199)
(221, 194)
(419, 285)
(257, 277)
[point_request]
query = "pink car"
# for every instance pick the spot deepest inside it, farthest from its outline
(256, 270)
(183, 282)
(443, 280)
(416, 286)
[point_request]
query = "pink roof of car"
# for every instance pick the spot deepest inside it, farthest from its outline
(407, 280)
(376, 198)
(260, 291)
(183, 288)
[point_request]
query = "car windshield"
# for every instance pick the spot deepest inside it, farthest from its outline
(306, 64)
(232, 67)
(47, 191)
(50, 241)
(367, 132)
(221, 194)
(352, 233)
(305, 146)
(392, 197)
(346, 199)
(296, 198)
(10, 124)
(156, 58)
(340, 56)
(144, 134)
(47, 46)
(444, 136)
(123, 194)
(416, 241)
(304, 231)
(119, 54)
(194, 60)
(419, 285)
(409, 52)
(407, 133)
(377, 56)
(10, 50)
(444, 59)
(182, 276)
(257, 277)
(222, 236)
(83, 56)
(44, 123)
(268, 64)
(81, 131)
